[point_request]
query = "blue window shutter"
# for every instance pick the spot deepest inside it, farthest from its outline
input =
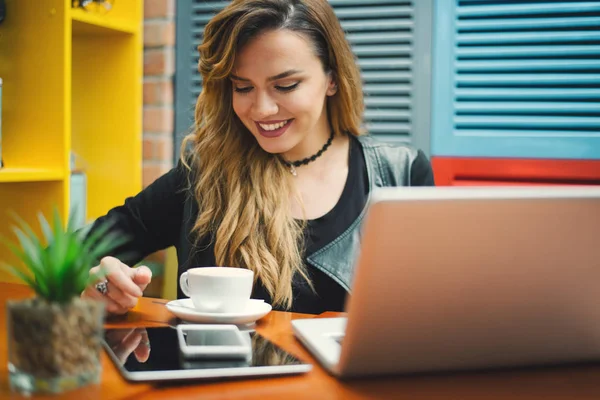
(516, 79)
(392, 52)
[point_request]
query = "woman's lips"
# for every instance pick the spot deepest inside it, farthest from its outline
(274, 133)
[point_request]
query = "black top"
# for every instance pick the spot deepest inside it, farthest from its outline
(328, 294)
(162, 215)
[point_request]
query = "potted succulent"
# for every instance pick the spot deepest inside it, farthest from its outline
(54, 338)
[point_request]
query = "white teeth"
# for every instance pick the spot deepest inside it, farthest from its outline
(272, 127)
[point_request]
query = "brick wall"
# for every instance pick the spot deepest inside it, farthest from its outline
(159, 67)
(158, 116)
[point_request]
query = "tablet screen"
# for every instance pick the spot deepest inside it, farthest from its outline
(139, 350)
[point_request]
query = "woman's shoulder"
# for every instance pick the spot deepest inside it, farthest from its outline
(397, 163)
(187, 168)
(387, 151)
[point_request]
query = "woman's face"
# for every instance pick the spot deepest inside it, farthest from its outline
(280, 90)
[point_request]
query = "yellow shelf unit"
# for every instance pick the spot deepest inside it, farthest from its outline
(30, 175)
(72, 84)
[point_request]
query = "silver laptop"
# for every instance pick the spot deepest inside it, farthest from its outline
(468, 278)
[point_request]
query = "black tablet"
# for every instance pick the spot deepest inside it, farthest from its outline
(154, 354)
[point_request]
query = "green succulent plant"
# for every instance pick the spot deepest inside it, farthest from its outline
(58, 269)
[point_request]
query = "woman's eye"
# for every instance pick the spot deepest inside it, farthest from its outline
(243, 89)
(287, 88)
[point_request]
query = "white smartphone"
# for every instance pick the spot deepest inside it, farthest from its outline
(213, 342)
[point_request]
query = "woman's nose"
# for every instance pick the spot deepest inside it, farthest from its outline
(264, 106)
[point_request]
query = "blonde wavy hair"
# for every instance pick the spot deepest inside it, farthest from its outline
(244, 194)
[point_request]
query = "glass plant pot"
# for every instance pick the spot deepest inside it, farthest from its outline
(52, 347)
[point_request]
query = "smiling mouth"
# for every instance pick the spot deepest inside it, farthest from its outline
(273, 130)
(273, 127)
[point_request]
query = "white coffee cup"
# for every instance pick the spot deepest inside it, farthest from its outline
(218, 289)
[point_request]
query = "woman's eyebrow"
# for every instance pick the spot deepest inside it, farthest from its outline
(272, 78)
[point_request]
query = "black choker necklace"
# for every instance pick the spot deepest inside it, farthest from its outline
(292, 165)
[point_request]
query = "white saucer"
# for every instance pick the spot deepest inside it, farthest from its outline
(184, 309)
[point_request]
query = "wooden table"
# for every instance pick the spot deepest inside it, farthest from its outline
(566, 382)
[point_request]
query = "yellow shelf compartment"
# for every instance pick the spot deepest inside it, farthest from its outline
(106, 118)
(35, 91)
(89, 23)
(30, 174)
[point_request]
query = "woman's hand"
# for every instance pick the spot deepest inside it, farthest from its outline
(125, 285)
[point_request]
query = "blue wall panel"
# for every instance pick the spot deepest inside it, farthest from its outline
(516, 79)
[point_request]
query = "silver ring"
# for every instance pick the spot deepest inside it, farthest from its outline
(102, 287)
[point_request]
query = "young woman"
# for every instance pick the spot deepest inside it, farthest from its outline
(277, 173)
